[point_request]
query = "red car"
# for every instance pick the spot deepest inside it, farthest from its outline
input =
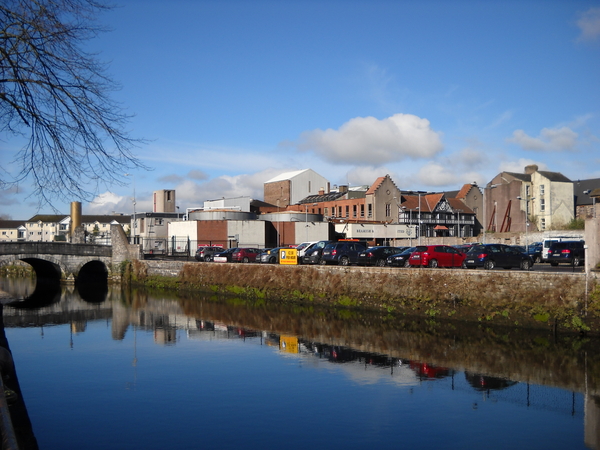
(436, 256)
(245, 255)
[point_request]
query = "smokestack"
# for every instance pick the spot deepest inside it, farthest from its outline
(75, 217)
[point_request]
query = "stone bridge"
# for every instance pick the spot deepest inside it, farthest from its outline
(69, 262)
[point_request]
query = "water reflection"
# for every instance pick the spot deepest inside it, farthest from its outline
(532, 369)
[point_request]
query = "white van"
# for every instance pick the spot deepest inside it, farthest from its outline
(547, 243)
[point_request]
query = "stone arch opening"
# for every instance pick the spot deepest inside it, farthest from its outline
(92, 282)
(44, 270)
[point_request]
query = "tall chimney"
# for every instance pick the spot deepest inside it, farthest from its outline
(75, 217)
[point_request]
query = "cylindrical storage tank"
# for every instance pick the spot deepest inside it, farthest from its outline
(75, 216)
(221, 214)
(291, 216)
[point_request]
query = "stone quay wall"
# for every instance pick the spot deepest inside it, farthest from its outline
(569, 301)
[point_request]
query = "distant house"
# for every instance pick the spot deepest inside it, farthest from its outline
(12, 230)
(584, 197)
(57, 227)
(434, 215)
(544, 198)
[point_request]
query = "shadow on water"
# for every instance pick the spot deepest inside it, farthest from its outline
(47, 292)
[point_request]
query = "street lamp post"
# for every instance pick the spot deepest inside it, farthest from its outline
(134, 218)
(526, 220)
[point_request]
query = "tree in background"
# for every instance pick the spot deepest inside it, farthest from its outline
(55, 96)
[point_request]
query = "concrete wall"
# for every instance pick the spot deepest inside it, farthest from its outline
(500, 297)
(251, 233)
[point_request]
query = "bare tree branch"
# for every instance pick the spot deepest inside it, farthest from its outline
(56, 95)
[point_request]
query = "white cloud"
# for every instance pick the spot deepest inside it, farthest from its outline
(367, 140)
(589, 25)
(435, 174)
(550, 139)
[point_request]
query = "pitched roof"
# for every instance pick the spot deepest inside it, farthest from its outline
(378, 182)
(330, 197)
(286, 176)
(11, 223)
(555, 176)
(464, 191)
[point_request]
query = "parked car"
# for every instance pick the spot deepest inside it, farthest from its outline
(245, 255)
(312, 254)
(377, 256)
(301, 249)
(535, 251)
(465, 247)
(271, 256)
(547, 243)
(224, 256)
(568, 252)
(400, 259)
(489, 256)
(436, 256)
(206, 252)
(343, 253)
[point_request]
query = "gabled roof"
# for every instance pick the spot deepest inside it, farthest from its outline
(378, 182)
(581, 186)
(430, 201)
(48, 218)
(555, 176)
(519, 176)
(12, 223)
(464, 191)
(286, 176)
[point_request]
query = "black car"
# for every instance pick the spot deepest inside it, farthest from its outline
(377, 256)
(343, 253)
(489, 256)
(312, 255)
(400, 259)
(206, 252)
(227, 254)
(568, 252)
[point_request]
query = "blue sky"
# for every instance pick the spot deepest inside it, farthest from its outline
(434, 93)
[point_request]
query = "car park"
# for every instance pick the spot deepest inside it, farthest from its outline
(567, 252)
(490, 256)
(224, 256)
(205, 252)
(400, 259)
(436, 256)
(342, 253)
(245, 255)
(377, 256)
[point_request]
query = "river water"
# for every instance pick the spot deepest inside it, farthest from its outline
(149, 370)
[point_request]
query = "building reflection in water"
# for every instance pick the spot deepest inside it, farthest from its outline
(366, 348)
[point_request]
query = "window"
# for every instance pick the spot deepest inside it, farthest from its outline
(542, 189)
(542, 204)
(354, 211)
(370, 210)
(326, 211)
(347, 211)
(362, 210)
(527, 194)
(543, 224)
(388, 210)
(340, 211)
